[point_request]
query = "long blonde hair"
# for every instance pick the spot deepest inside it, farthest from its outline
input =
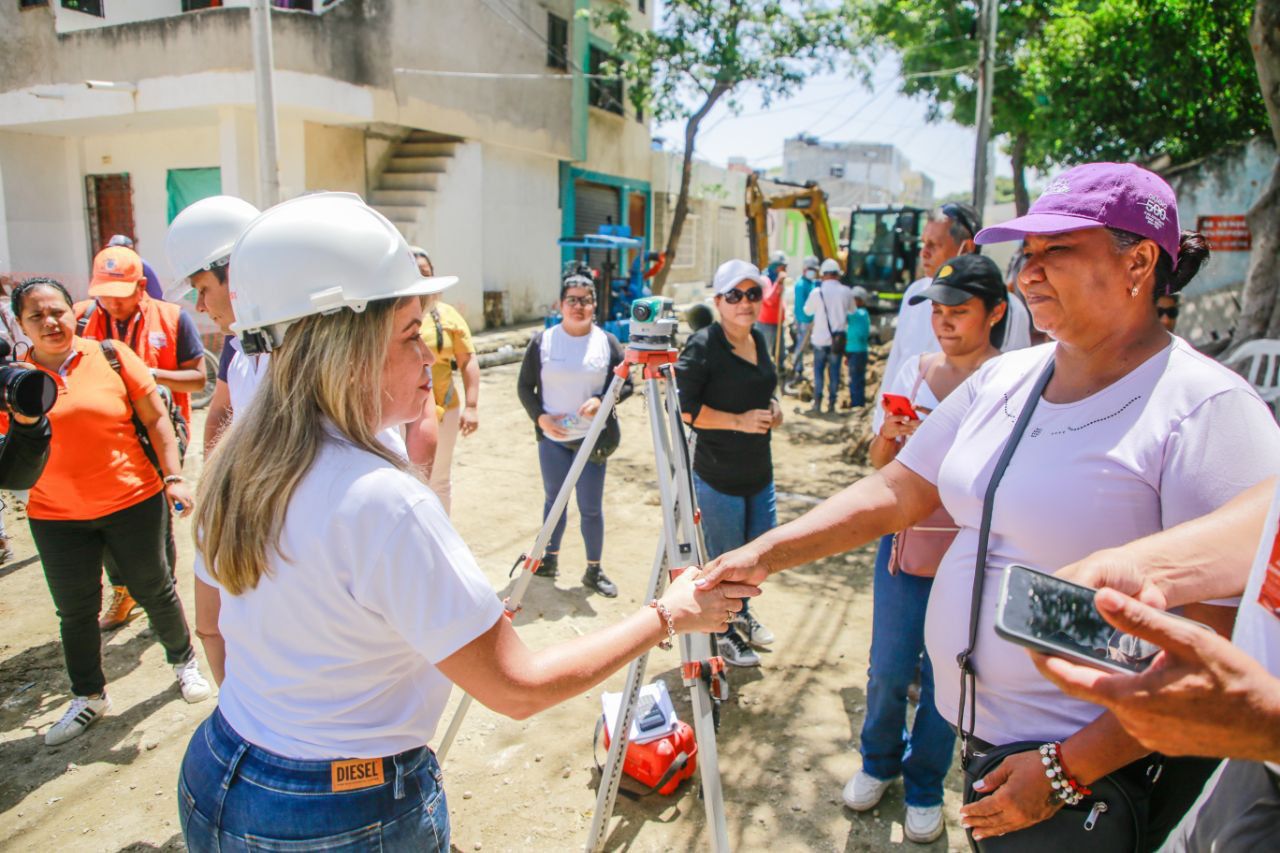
(327, 372)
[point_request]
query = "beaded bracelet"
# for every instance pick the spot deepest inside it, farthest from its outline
(665, 615)
(1065, 787)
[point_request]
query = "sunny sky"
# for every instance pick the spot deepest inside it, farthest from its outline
(835, 107)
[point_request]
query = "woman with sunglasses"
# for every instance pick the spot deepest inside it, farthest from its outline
(727, 385)
(563, 379)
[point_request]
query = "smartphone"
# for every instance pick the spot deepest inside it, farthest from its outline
(1057, 617)
(896, 404)
(649, 715)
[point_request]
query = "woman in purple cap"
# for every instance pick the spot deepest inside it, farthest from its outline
(1131, 432)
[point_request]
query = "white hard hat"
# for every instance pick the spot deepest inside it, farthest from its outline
(778, 257)
(860, 292)
(318, 254)
(201, 237)
(810, 263)
(830, 265)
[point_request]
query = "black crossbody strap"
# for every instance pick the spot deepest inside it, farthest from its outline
(968, 679)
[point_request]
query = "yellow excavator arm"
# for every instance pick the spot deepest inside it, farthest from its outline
(809, 201)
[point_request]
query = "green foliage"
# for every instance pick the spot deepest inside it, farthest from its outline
(724, 47)
(1082, 79)
(1134, 79)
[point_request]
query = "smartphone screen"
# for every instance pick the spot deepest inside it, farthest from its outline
(1058, 617)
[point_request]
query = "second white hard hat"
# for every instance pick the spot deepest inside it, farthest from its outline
(319, 254)
(830, 265)
(201, 236)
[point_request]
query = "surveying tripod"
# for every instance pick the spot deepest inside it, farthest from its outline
(681, 545)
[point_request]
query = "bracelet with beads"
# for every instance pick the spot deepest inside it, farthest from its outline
(1064, 785)
(665, 614)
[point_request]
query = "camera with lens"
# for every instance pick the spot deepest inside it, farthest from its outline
(653, 323)
(24, 390)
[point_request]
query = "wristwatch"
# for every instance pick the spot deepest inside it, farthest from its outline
(174, 478)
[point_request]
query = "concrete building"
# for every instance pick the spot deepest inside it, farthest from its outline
(468, 124)
(854, 173)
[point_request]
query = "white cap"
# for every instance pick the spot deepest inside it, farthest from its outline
(778, 257)
(830, 265)
(732, 273)
(811, 262)
(860, 292)
(318, 254)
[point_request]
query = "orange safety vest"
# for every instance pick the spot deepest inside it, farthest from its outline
(152, 333)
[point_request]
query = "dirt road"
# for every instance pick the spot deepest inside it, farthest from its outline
(787, 741)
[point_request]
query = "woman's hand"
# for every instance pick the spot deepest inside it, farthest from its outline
(741, 565)
(694, 608)
(550, 425)
(776, 408)
(588, 410)
(755, 421)
(181, 499)
(898, 427)
(469, 420)
(1020, 796)
(1117, 569)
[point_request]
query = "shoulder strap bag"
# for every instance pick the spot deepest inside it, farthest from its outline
(1113, 817)
(176, 420)
(919, 549)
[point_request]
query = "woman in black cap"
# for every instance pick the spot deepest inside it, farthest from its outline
(969, 315)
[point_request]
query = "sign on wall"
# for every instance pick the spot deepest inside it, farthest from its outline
(1225, 233)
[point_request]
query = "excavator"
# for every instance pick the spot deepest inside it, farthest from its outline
(808, 199)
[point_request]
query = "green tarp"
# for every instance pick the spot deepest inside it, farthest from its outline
(187, 186)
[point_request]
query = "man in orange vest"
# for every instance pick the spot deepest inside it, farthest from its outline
(166, 339)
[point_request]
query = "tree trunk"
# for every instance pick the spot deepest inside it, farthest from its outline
(681, 211)
(1021, 198)
(1259, 316)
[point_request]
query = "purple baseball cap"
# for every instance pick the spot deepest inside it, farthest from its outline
(1111, 195)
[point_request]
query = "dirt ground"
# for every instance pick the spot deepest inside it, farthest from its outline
(787, 740)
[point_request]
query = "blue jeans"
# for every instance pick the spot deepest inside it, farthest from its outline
(857, 377)
(797, 352)
(233, 796)
(923, 754)
(825, 362)
(555, 459)
(730, 522)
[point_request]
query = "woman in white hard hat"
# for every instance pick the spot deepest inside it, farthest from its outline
(350, 605)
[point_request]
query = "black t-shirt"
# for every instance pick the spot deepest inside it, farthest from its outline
(710, 374)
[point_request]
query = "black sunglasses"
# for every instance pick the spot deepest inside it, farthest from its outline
(753, 294)
(1171, 313)
(959, 214)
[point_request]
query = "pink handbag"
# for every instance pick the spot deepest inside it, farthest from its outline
(919, 549)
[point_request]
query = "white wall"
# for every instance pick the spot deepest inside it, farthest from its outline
(42, 209)
(451, 232)
(521, 225)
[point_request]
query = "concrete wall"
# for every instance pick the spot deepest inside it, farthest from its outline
(520, 225)
(42, 209)
(335, 158)
(716, 230)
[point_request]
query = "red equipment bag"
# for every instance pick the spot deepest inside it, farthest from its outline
(660, 765)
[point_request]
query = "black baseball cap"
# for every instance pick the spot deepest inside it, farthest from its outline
(962, 278)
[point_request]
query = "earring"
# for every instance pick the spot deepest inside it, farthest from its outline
(1133, 291)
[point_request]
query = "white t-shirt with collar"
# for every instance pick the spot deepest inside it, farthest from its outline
(334, 653)
(829, 304)
(1176, 438)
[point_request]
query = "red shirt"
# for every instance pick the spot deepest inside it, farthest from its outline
(771, 308)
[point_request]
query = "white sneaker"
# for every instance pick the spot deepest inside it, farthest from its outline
(735, 650)
(924, 823)
(863, 791)
(84, 712)
(194, 687)
(756, 634)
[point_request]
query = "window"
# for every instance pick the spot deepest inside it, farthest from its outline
(603, 93)
(557, 42)
(837, 171)
(32, 4)
(89, 7)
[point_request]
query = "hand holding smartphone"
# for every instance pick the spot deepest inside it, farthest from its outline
(1057, 617)
(897, 404)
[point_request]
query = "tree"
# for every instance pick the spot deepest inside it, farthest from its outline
(937, 45)
(1260, 313)
(707, 51)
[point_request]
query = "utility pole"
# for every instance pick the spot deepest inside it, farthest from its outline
(264, 91)
(987, 16)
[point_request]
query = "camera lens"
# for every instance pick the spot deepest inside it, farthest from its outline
(640, 311)
(27, 392)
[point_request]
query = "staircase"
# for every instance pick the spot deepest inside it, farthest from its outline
(411, 178)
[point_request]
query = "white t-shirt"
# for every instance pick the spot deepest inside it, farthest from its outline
(1258, 622)
(913, 336)
(1174, 439)
(905, 382)
(333, 654)
(244, 374)
(829, 304)
(574, 369)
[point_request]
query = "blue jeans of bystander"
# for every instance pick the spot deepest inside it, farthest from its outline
(826, 365)
(857, 378)
(730, 522)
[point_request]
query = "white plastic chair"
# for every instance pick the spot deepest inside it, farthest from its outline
(1259, 363)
